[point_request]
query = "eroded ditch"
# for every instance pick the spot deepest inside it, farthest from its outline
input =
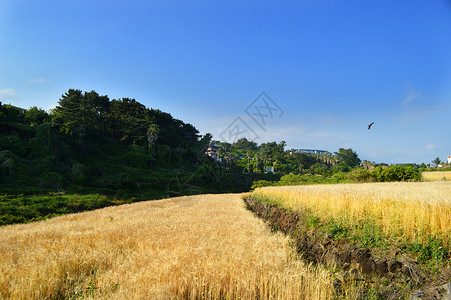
(393, 276)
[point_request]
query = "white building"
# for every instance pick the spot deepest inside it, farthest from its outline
(449, 159)
(311, 151)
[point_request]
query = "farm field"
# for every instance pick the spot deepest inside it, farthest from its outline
(196, 247)
(414, 211)
(435, 176)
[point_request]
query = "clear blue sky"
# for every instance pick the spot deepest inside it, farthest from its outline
(332, 67)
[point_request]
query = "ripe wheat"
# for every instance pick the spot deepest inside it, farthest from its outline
(198, 247)
(435, 176)
(411, 210)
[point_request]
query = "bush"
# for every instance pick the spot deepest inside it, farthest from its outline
(340, 167)
(360, 175)
(396, 173)
(51, 180)
(77, 174)
(8, 161)
(261, 183)
(136, 159)
(291, 179)
(338, 177)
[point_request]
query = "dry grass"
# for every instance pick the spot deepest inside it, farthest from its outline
(199, 247)
(435, 176)
(411, 210)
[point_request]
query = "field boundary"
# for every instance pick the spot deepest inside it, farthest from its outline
(393, 276)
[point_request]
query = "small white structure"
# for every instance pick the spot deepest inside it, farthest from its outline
(269, 169)
(449, 159)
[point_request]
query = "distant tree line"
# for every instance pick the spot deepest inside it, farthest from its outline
(253, 158)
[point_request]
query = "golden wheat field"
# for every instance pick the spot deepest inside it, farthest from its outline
(196, 247)
(434, 176)
(411, 210)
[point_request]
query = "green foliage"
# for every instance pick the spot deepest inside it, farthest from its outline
(137, 158)
(436, 161)
(292, 179)
(261, 183)
(312, 220)
(128, 121)
(78, 111)
(339, 177)
(396, 173)
(337, 229)
(348, 156)
(340, 167)
(10, 113)
(245, 144)
(432, 249)
(77, 174)
(318, 168)
(8, 164)
(368, 234)
(23, 209)
(36, 116)
(152, 134)
(48, 143)
(361, 175)
(51, 180)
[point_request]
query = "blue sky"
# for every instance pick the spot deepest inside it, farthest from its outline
(332, 67)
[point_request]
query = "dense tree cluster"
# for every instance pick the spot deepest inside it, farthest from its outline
(90, 141)
(254, 158)
(124, 119)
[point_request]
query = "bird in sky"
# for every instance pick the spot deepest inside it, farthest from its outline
(369, 126)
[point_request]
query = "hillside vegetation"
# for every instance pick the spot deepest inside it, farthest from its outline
(89, 143)
(196, 247)
(91, 152)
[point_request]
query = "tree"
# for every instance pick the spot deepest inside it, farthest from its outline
(77, 110)
(348, 156)
(436, 161)
(303, 161)
(245, 144)
(36, 116)
(129, 121)
(152, 134)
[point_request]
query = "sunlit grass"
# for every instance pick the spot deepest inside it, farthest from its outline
(413, 211)
(435, 176)
(198, 247)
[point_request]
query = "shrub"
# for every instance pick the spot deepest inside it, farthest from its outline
(360, 175)
(136, 159)
(51, 180)
(77, 174)
(291, 179)
(396, 173)
(261, 183)
(8, 162)
(340, 167)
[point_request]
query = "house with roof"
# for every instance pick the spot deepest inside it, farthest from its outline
(212, 151)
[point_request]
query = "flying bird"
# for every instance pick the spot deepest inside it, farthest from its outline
(369, 126)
